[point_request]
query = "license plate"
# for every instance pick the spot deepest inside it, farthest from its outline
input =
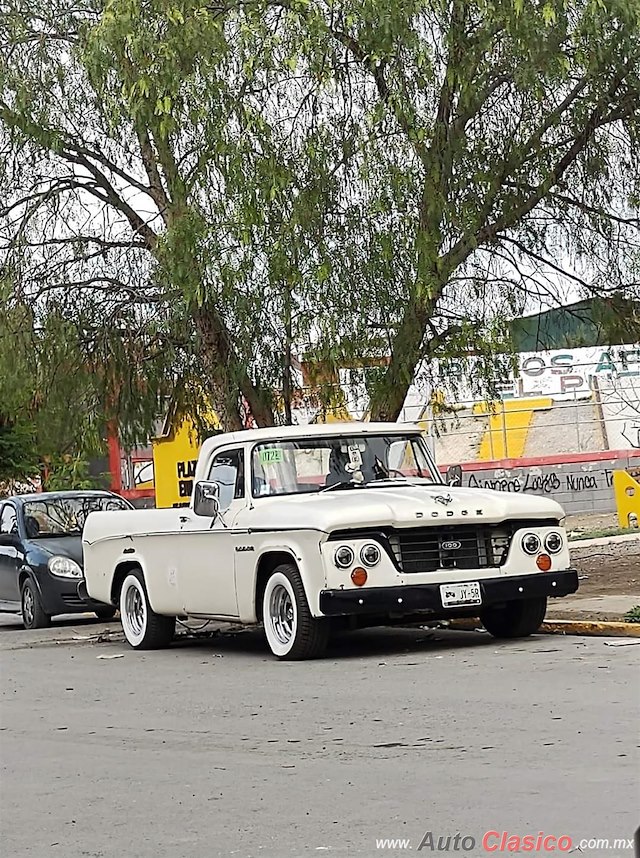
(455, 595)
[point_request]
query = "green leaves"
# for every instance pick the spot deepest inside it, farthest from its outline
(548, 14)
(360, 179)
(18, 453)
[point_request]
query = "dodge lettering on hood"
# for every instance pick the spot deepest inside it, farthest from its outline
(311, 528)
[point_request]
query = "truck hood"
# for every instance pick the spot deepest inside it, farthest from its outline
(408, 505)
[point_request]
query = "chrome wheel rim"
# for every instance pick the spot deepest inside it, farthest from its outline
(281, 614)
(28, 605)
(135, 610)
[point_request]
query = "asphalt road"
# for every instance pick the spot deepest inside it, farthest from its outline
(211, 748)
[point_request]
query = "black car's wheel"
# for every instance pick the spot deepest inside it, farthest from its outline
(516, 619)
(33, 614)
(143, 628)
(291, 631)
(105, 612)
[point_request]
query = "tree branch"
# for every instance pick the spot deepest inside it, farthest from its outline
(488, 232)
(114, 199)
(156, 188)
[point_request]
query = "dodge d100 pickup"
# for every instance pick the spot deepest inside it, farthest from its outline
(309, 528)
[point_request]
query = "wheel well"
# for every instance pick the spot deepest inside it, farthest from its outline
(122, 570)
(267, 563)
(24, 574)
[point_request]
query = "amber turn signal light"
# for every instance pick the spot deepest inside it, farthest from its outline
(543, 562)
(359, 576)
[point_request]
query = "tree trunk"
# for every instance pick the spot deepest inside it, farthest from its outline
(287, 386)
(215, 359)
(388, 399)
(226, 378)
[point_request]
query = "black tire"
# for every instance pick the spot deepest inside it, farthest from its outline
(516, 619)
(33, 614)
(105, 612)
(291, 632)
(143, 628)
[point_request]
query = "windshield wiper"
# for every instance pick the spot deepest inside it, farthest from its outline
(403, 481)
(400, 480)
(341, 485)
(388, 479)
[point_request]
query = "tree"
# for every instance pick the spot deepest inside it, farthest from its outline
(18, 456)
(378, 180)
(60, 385)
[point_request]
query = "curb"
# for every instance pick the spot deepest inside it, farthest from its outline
(591, 628)
(586, 628)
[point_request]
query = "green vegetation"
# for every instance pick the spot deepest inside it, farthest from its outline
(18, 456)
(600, 533)
(71, 472)
(192, 193)
(633, 616)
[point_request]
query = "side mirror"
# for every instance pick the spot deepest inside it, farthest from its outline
(9, 539)
(454, 475)
(206, 499)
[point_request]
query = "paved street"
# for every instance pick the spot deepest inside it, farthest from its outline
(213, 748)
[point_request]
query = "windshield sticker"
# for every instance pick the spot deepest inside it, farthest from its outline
(270, 457)
(355, 456)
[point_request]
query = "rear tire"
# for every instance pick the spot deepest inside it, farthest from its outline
(291, 632)
(516, 619)
(33, 614)
(143, 628)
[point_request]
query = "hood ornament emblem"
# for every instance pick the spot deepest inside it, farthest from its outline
(443, 499)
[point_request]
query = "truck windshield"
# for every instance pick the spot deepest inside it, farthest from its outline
(65, 516)
(312, 464)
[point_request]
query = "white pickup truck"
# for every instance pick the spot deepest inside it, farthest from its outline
(309, 528)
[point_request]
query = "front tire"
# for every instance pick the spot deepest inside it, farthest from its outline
(33, 614)
(143, 628)
(517, 619)
(291, 632)
(107, 612)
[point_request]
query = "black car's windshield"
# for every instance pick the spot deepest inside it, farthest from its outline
(314, 464)
(65, 516)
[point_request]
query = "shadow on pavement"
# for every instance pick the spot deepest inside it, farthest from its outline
(13, 622)
(378, 642)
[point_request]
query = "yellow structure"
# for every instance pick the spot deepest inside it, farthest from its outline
(174, 462)
(626, 491)
(509, 422)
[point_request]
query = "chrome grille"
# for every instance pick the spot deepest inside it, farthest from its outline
(463, 546)
(425, 549)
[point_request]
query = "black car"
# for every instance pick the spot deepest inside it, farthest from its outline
(41, 554)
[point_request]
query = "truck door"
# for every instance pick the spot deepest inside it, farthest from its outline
(206, 574)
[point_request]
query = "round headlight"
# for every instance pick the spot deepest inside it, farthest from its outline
(553, 542)
(64, 567)
(531, 543)
(343, 557)
(370, 554)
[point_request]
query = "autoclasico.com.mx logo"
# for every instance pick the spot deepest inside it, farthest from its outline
(505, 841)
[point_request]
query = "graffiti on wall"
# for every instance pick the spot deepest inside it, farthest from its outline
(538, 482)
(620, 402)
(631, 432)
